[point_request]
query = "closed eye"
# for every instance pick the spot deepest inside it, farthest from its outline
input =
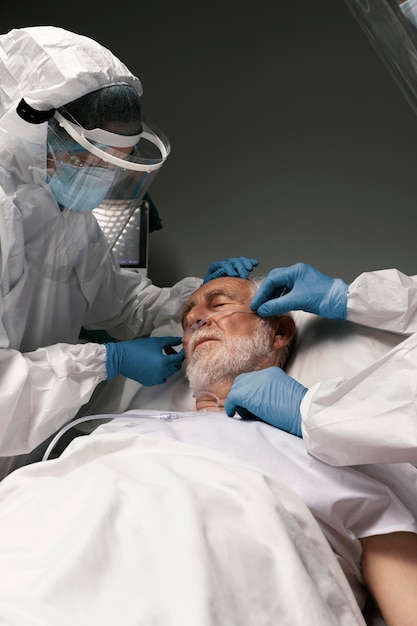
(214, 306)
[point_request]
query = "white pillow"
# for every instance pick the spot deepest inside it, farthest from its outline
(326, 349)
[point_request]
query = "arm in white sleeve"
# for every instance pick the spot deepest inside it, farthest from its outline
(369, 418)
(385, 299)
(128, 305)
(42, 390)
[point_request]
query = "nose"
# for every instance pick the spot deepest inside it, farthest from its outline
(194, 322)
(197, 324)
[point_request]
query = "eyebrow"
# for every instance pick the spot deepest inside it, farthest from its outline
(209, 296)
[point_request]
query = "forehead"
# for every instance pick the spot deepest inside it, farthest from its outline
(237, 289)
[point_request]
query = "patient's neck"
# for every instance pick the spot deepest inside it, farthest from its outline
(212, 399)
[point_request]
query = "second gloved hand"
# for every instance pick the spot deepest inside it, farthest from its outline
(269, 394)
(239, 268)
(143, 360)
(301, 287)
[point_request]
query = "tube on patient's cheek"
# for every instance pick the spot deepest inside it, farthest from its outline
(193, 327)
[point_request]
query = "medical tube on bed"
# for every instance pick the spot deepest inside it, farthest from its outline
(166, 416)
(64, 429)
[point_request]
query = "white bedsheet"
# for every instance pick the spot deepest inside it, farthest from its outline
(324, 348)
(135, 530)
(348, 503)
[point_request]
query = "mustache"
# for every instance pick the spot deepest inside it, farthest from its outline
(201, 334)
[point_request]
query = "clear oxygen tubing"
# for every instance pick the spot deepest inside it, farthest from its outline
(64, 429)
(193, 327)
(166, 416)
(198, 394)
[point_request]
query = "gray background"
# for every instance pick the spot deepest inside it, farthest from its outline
(290, 140)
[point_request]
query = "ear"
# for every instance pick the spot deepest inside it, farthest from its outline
(284, 331)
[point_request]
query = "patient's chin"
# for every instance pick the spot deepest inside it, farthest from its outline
(214, 363)
(205, 373)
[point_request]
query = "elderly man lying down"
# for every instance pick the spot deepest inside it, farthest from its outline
(193, 517)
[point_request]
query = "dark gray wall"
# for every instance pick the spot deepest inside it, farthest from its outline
(290, 140)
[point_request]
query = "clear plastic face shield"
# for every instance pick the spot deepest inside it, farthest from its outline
(391, 26)
(100, 170)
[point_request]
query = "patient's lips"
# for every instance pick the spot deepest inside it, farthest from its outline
(202, 340)
(204, 337)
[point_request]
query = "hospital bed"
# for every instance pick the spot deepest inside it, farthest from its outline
(73, 564)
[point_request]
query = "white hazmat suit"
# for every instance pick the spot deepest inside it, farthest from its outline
(371, 416)
(56, 274)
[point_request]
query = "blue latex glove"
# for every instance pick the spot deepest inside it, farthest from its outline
(306, 289)
(143, 360)
(269, 394)
(239, 268)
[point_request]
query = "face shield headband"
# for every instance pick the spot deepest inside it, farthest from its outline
(136, 160)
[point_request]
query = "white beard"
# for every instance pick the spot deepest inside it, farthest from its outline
(221, 361)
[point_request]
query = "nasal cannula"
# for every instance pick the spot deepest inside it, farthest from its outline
(193, 327)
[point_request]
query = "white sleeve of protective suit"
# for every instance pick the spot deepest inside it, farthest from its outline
(45, 389)
(372, 416)
(154, 305)
(128, 305)
(385, 299)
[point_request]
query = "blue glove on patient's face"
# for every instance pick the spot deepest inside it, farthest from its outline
(143, 360)
(306, 289)
(269, 394)
(239, 268)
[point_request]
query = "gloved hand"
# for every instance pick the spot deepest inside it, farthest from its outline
(230, 267)
(307, 289)
(143, 360)
(269, 394)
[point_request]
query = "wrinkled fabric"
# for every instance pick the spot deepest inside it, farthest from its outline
(348, 503)
(128, 529)
(370, 415)
(56, 273)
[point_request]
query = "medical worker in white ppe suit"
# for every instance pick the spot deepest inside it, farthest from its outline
(369, 418)
(71, 137)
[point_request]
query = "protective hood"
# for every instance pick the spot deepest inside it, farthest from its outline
(50, 66)
(47, 67)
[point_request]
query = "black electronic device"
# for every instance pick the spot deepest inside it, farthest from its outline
(130, 246)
